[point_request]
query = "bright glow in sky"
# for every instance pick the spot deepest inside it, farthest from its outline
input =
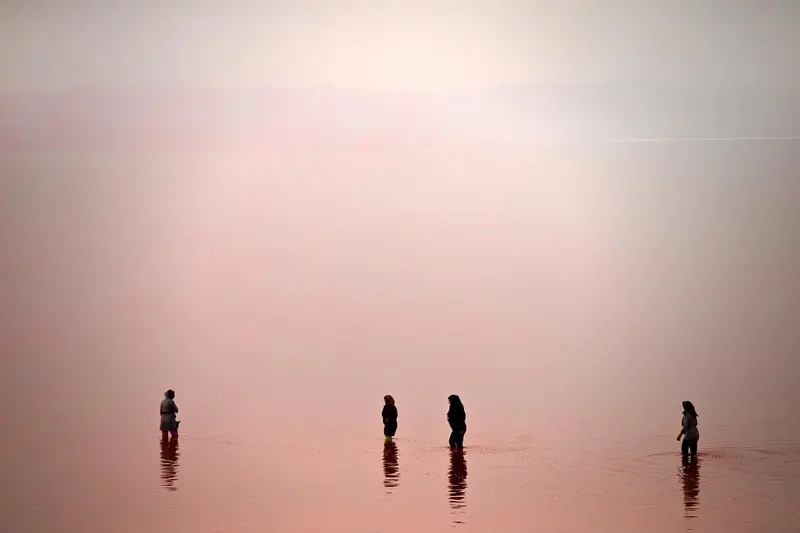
(404, 45)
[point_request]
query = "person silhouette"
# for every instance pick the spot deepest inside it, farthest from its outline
(389, 416)
(689, 431)
(457, 418)
(169, 412)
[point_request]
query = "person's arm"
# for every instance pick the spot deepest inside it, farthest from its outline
(685, 427)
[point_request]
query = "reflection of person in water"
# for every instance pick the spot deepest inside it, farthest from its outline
(457, 418)
(690, 478)
(389, 416)
(391, 470)
(169, 464)
(457, 478)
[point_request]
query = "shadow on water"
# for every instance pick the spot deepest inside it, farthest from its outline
(689, 474)
(391, 470)
(457, 481)
(169, 464)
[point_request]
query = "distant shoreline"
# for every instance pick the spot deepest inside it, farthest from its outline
(178, 117)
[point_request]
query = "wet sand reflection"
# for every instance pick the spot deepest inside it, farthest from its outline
(391, 470)
(457, 482)
(689, 475)
(169, 464)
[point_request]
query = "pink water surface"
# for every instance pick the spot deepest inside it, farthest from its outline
(573, 300)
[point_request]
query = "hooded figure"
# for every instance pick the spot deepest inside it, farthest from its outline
(389, 416)
(169, 410)
(457, 418)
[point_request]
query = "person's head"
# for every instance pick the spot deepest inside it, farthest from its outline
(453, 398)
(170, 394)
(388, 399)
(688, 407)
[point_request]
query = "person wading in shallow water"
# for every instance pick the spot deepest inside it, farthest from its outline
(689, 430)
(389, 415)
(457, 418)
(169, 410)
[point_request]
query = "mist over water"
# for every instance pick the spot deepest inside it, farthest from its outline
(572, 296)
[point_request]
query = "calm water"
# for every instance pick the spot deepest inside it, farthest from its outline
(572, 301)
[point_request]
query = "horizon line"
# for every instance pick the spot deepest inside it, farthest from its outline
(379, 90)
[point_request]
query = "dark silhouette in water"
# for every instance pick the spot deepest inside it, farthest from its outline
(689, 431)
(391, 470)
(457, 481)
(389, 416)
(169, 464)
(690, 478)
(169, 412)
(457, 418)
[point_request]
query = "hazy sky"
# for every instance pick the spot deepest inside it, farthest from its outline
(408, 44)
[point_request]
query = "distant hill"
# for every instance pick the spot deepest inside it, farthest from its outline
(194, 117)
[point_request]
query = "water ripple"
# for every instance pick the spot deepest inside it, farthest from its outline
(169, 464)
(457, 482)
(391, 468)
(689, 475)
